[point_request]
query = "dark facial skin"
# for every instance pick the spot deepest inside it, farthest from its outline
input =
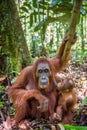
(43, 73)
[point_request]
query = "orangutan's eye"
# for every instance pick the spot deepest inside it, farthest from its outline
(46, 70)
(40, 71)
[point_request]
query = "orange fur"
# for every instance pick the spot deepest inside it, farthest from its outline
(26, 87)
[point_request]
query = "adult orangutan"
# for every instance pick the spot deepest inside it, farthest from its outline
(36, 85)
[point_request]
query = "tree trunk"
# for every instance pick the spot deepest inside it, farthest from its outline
(13, 48)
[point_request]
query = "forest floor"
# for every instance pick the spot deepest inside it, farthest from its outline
(78, 72)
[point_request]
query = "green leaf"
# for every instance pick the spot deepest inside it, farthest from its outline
(64, 18)
(24, 9)
(84, 101)
(1, 88)
(83, 11)
(31, 20)
(27, 5)
(69, 127)
(35, 3)
(12, 108)
(1, 104)
(53, 3)
(23, 16)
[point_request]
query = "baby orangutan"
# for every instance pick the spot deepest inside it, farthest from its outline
(66, 101)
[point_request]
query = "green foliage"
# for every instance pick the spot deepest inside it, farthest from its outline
(84, 101)
(1, 104)
(1, 88)
(12, 111)
(23, 8)
(36, 17)
(83, 11)
(54, 2)
(40, 10)
(41, 14)
(69, 127)
(79, 55)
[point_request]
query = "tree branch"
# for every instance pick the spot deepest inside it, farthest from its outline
(72, 28)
